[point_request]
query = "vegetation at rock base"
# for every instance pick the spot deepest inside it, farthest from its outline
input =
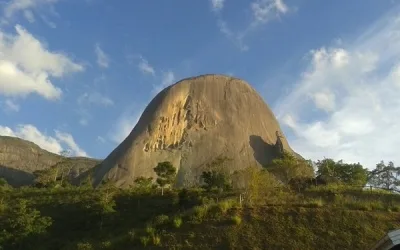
(260, 210)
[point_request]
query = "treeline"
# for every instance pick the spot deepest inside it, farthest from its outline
(287, 170)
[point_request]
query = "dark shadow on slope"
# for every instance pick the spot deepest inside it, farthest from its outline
(263, 152)
(16, 177)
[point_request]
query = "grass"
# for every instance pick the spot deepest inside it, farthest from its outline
(324, 218)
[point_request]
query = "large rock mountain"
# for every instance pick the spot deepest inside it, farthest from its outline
(20, 158)
(191, 124)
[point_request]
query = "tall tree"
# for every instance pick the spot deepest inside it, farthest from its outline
(166, 174)
(385, 176)
(289, 167)
(348, 173)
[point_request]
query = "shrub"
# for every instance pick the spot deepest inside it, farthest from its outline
(131, 234)
(156, 240)
(236, 220)
(149, 230)
(84, 246)
(190, 198)
(377, 205)
(144, 240)
(161, 219)
(199, 213)
(105, 244)
(224, 206)
(316, 203)
(177, 222)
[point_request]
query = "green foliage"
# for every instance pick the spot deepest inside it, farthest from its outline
(166, 174)
(236, 220)
(289, 167)
(4, 184)
(143, 184)
(160, 220)
(84, 246)
(215, 180)
(177, 222)
(145, 240)
(385, 176)
(21, 222)
(190, 198)
(352, 174)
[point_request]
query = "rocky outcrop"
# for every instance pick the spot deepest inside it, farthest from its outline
(20, 158)
(192, 123)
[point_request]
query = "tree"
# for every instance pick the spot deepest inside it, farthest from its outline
(166, 174)
(143, 184)
(385, 176)
(20, 222)
(289, 167)
(256, 185)
(352, 174)
(215, 180)
(45, 177)
(4, 184)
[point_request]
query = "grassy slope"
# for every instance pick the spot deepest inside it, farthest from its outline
(318, 219)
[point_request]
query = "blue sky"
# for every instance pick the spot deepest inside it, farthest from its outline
(76, 75)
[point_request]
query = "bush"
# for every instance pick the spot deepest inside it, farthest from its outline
(315, 203)
(236, 220)
(156, 240)
(160, 220)
(131, 234)
(190, 198)
(177, 222)
(144, 240)
(84, 246)
(105, 244)
(150, 230)
(199, 213)
(224, 206)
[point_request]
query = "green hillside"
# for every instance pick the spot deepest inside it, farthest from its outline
(108, 218)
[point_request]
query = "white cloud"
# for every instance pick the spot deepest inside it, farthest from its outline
(95, 98)
(236, 38)
(217, 5)
(265, 10)
(145, 67)
(362, 123)
(25, 6)
(26, 66)
(102, 58)
(70, 142)
(52, 144)
(100, 139)
(10, 105)
(324, 100)
(48, 22)
(29, 16)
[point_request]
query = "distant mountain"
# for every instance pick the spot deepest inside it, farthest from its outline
(20, 158)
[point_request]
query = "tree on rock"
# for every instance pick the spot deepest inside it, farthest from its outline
(166, 174)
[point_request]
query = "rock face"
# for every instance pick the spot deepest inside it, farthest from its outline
(192, 123)
(20, 158)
